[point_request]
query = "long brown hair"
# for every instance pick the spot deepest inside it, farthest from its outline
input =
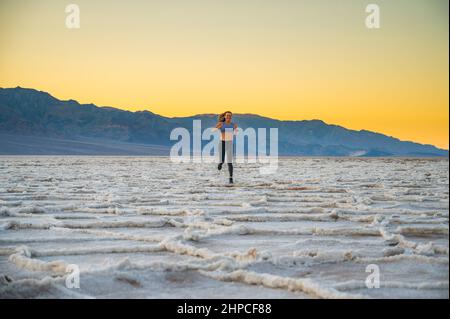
(221, 117)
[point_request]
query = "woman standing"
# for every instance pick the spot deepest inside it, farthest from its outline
(227, 132)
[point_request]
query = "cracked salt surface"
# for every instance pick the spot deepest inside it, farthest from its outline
(143, 227)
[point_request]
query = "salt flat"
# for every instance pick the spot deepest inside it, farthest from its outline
(144, 227)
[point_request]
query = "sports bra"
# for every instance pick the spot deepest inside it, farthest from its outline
(226, 126)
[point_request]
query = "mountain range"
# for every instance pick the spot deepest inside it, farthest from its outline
(35, 122)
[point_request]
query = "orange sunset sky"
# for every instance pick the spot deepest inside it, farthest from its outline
(286, 59)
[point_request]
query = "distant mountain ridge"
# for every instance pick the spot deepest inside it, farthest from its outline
(26, 113)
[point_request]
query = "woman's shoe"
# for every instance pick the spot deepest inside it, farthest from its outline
(219, 167)
(231, 180)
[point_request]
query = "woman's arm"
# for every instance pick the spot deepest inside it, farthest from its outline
(218, 126)
(235, 129)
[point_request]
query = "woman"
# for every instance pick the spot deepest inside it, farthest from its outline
(227, 131)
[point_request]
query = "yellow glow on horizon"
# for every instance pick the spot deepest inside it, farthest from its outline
(289, 60)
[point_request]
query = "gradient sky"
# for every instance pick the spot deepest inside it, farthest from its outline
(284, 59)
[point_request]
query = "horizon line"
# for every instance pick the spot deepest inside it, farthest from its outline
(212, 114)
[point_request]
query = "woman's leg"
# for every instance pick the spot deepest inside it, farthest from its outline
(230, 170)
(229, 151)
(221, 154)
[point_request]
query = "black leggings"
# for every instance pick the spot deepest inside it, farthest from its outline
(222, 159)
